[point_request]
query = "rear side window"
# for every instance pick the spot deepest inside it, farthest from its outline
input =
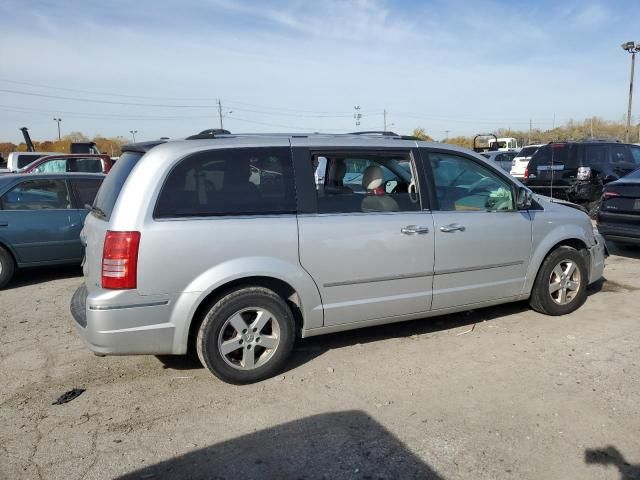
(110, 189)
(241, 181)
(85, 190)
(363, 182)
(88, 165)
(52, 166)
(595, 156)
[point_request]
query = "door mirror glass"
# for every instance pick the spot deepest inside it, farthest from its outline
(525, 198)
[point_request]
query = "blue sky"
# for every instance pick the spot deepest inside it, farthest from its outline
(276, 65)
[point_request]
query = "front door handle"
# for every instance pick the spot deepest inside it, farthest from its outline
(414, 229)
(454, 227)
(4, 224)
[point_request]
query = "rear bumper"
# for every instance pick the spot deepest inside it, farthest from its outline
(123, 328)
(623, 228)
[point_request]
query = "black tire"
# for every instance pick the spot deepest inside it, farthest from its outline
(215, 327)
(7, 267)
(541, 299)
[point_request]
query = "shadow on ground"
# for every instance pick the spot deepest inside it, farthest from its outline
(611, 456)
(341, 445)
(36, 275)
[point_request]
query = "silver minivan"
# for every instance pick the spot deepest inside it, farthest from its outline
(231, 248)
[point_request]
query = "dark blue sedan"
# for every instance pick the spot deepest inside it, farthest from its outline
(41, 216)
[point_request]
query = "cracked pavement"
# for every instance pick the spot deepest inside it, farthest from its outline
(520, 396)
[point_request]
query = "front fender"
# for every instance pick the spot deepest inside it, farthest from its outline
(546, 236)
(224, 273)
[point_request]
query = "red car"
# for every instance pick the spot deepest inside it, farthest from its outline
(70, 162)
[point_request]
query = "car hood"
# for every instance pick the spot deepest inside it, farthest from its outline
(545, 201)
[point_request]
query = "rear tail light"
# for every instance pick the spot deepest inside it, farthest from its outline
(608, 195)
(120, 260)
(584, 173)
(526, 173)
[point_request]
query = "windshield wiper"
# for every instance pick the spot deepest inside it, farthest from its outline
(98, 211)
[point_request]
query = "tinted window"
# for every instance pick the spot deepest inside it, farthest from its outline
(111, 186)
(361, 182)
(87, 165)
(462, 184)
(24, 160)
(595, 156)
(243, 181)
(37, 195)
(85, 190)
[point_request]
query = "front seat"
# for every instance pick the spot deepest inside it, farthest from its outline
(377, 199)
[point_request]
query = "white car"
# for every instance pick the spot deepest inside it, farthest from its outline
(520, 162)
(18, 160)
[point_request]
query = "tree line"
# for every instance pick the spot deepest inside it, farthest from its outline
(594, 127)
(110, 145)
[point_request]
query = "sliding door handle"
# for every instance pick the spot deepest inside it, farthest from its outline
(4, 224)
(454, 227)
(414, 229)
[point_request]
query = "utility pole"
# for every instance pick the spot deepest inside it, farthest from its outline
(446, 134)
(384, 112)
(530, 127)
(220, 113)
(631, 48)
(591, 127)
(58, 120)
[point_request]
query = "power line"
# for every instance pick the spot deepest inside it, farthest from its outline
(109, 102)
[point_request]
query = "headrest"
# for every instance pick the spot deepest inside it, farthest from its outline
(372, 177)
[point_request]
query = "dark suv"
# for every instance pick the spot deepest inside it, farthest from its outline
(577, 171)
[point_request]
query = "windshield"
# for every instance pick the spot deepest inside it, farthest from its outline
(110, 189)
(635, 175)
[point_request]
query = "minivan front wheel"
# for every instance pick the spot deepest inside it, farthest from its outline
(561, 285)
(246, 336)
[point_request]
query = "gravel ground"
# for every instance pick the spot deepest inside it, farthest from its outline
(519, 396)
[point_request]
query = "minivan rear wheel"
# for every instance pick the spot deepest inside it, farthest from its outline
(246, 336)
(561, 284)
(7, 267)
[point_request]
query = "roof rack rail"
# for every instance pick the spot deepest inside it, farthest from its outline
(383, 133)
(209, 133)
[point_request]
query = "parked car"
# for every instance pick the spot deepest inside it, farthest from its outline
(521, 160)
(619, 213)
(504, 144)
(503, 159)
(187, 249)
(577, 171)
(19, 160)
(87, 163)
(41, 217)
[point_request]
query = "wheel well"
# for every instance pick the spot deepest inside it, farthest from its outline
(579, 245)
(15, 261)
(283, 289)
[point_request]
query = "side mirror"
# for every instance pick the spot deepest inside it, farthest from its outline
(525, 198)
